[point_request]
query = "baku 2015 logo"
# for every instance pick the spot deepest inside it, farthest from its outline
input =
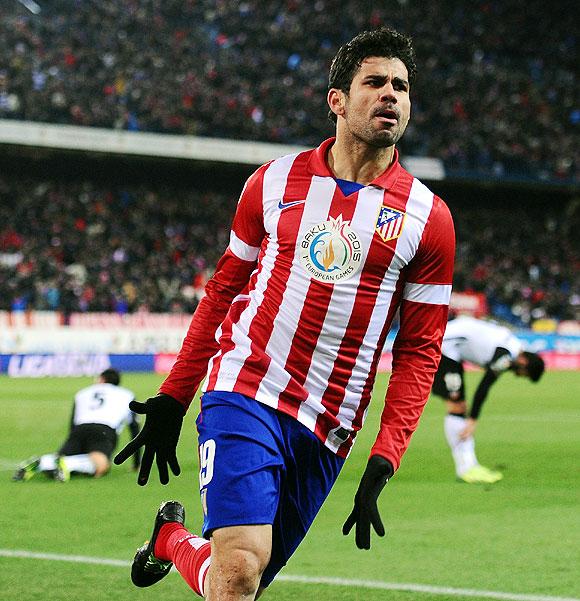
(331, 251)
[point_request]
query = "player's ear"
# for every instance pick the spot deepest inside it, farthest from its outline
(336, 101)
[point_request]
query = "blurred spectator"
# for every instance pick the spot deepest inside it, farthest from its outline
(498, 95)
(78, 247)
(73, 246)
(524, 258)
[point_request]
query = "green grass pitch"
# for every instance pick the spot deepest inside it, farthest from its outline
(520, 536)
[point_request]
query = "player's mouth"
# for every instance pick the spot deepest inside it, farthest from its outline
(387, 116)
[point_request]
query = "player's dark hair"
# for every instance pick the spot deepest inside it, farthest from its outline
(535, 367)
(383, 42)
(111, 376)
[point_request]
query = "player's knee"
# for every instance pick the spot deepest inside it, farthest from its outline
(101, 463)
(239, 558)
(101, 471)
(456, 406)
(245, 568)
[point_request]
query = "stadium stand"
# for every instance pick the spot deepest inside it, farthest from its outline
(78, 247)
(87, 246)
(256, 71)
(496, 99)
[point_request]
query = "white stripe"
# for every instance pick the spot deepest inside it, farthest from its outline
(197, 542)
(419, 588)
(339, 312)
(7, 465)
(103, 561)
(399, 223)
(418, 208)
(274, 184)
(316, 208)
(432, 294)
(204, 568)
(241, 249)
(352, 583)
(417, 212)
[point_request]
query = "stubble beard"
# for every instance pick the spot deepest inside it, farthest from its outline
(378, 138)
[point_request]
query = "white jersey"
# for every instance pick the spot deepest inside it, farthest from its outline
(103, 404)
(475, 340)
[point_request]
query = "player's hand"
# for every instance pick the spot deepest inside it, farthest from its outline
(365, 511)
(159, 435)
(470, 425)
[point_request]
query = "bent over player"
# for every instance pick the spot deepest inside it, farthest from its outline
(326, 245)
(99, 414)
(497, 350)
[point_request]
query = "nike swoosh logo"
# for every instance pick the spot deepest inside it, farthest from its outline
(285, 205)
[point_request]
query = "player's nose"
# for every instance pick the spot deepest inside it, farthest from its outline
(387, 93)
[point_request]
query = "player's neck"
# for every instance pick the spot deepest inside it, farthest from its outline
(355, 161)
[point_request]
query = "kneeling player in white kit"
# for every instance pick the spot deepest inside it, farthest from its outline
(497, 350)
(99, 414)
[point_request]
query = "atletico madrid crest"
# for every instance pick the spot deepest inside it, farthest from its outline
(390, 223)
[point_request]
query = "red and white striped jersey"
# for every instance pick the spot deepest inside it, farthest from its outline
(299, 307)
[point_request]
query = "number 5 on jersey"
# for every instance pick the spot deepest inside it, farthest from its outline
(206, 459)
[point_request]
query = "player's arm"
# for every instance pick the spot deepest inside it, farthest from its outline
(416, 355)
(500, 362)
(230, 278)
(71, 421)
(133, 423)
(164, 412)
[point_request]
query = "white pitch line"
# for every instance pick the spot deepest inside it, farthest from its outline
(421, 588)
(120, 563)
(370, 584)
(8, 464)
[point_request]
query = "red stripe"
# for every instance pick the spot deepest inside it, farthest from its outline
(310, 324)
(226, 343)
(303, 345)
(260, 329)
(380, 254)
(368, 387)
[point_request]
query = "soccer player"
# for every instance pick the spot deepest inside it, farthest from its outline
(497, 350)
(99, 414)
(326, 246)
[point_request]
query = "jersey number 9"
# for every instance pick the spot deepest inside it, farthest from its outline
(206, 458)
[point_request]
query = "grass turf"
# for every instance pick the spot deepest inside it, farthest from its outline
(518, 536)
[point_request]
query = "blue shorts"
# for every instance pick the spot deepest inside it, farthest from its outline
(260, 466)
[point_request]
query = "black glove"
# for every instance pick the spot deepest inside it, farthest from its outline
(159, 435)
(365, 511)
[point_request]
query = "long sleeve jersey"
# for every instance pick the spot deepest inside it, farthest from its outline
(298, 310)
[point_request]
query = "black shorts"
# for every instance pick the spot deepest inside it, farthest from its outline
(449, 380)
(86, 438)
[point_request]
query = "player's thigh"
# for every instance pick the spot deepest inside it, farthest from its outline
(310, 471)
(449, 381)
(99, 438)
(73, 445)
(249, 544)
(240, 462)
(457, 407)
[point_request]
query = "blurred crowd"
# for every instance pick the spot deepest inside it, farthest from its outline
(496, 95)
(79, 246)
(524, 258)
